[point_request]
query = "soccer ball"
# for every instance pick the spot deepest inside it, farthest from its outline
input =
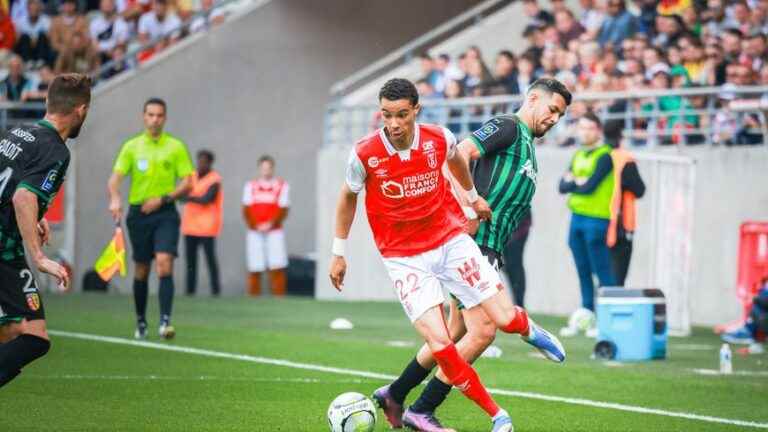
(351, 412)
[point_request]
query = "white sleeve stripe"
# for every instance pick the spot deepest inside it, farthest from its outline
(450, 141)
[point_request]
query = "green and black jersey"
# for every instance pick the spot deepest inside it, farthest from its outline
(34, 158)
(505, 175)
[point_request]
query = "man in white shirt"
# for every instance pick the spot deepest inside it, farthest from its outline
(159, 24)
(32, 32)
(108, 29)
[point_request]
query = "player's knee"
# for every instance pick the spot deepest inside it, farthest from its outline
(483, 336)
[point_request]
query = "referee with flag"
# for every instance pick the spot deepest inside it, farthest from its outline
(160, 170)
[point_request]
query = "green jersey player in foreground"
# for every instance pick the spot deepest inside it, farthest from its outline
(33, 162)
(505, 176)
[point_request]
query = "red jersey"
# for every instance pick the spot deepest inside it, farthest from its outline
(265, 198)
(409, 202)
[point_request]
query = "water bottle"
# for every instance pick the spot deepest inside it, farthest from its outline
(726, 366)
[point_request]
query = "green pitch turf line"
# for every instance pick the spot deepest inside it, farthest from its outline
(386, 377)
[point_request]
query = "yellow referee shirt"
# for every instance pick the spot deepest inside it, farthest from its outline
(154, 165)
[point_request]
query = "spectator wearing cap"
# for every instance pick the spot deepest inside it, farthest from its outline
(618, 25)
(567, 26)
(33, 44)
(108, 29)
(65, 25)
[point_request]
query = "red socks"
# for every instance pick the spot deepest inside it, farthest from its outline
(519, 323)
(464, 378)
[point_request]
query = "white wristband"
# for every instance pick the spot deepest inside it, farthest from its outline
(472, 195)
(337, 248)
(469, 212)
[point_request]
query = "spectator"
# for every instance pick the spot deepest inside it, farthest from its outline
(558, 6)
(211, 16)
(453, 90)
(536, 43)
(647, 17)
(39, 90)
(694, 59)
(265, 207)
(80, 56)
(567, 26)
(755, 51)
(667, 110)
(504, 77)
(33, 44)
(551, 37)
(7, 34)
(548, 64)
(651, 57)
(16, 83)
(477, 77)
(732, 45)
(65, 25)
(591, 18)
(714, 17)
(428, 71)
(536, 15)
(429, 114)
(160, 25)
(119, 63)
(108, 29)
(759, 18)
(739, 17)
(525, 72)
(201, 221)
(626, 191)
(669, 29)
(715, 64)
(590, 182)
(618, 25)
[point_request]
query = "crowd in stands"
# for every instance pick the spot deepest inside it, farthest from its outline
(42, 38)
(615, 45)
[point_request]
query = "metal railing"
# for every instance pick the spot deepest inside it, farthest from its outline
(704, 115)
(406, 53)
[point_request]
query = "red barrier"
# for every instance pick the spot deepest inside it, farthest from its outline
(753, 261)
(55, 213)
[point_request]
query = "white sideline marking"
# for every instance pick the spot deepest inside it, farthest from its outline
(741, 373)
(200, 378)
(386, 377)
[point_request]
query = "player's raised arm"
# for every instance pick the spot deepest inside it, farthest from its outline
(26, 208)
(459, 168)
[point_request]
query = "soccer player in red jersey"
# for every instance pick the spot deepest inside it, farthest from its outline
(419, 228)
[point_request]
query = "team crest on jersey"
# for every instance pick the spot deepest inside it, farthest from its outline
(429, 146)
(373, 161)
(33, 301)
(486, 131)
(432, 160)
(50, 180)
(142, 164)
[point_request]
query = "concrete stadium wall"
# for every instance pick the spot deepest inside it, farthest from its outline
(256, 85)
(730, 188)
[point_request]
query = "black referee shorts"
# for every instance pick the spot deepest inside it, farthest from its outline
(154, 232)
(19, 296)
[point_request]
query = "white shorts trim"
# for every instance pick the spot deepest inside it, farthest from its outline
(458, 265)
(265, 251)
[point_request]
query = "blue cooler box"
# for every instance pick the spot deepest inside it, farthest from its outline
(634, 321)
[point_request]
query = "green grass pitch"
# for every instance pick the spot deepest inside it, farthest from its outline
(84, 385)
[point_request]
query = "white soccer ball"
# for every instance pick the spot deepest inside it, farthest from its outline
(351, 412)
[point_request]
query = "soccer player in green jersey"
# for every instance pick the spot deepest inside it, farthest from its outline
(33, 163)
(505, 175)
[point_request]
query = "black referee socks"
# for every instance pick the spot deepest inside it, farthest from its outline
(16, 354)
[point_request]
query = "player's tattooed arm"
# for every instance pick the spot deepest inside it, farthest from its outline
(26, 209)
(345, 215)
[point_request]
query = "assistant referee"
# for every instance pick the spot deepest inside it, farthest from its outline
(161, 170)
